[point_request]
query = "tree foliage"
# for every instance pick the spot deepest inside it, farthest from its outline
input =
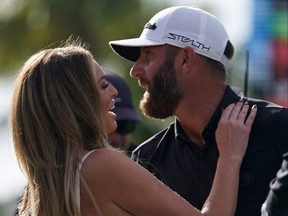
(39, 24)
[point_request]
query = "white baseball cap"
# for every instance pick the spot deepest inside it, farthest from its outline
(180, 26)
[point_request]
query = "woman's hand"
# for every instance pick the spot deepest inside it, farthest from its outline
(233, 131)
(232, 137)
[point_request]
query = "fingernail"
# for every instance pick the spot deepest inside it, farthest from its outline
(246, 103)
(241, 100)
(254, 106)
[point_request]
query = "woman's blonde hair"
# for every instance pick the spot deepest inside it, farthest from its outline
(55, 116)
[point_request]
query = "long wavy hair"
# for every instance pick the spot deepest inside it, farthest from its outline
(55, 117)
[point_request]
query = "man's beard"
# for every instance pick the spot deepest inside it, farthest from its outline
(164, 94)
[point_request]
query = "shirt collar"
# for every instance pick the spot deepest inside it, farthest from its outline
(229, 97)
(209, 132)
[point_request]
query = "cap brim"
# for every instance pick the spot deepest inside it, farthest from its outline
(126, 113)
(130, 48)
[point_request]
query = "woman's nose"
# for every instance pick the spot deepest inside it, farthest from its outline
(114, 91)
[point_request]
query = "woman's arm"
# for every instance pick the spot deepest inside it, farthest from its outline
(121, 182)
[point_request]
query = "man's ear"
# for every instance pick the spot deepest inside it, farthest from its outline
(188, 57)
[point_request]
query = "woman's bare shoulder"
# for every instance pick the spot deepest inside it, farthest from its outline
(105, 162)
(106, 155)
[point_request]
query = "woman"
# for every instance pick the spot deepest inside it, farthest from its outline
(61, 116)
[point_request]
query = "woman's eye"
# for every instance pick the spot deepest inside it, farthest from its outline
(105, 85)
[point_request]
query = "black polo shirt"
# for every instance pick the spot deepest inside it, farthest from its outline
(189, 170)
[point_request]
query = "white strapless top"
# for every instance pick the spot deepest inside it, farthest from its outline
(77, 186)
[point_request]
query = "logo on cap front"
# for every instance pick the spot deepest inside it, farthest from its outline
(149, 26)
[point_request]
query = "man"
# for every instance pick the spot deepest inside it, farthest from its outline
(180, 60)
(127, 116)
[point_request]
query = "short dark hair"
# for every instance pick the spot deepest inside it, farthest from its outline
(229, 50)
(217, 67)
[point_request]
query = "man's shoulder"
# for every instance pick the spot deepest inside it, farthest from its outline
(271, 120)
(265, 104)
(268, 109)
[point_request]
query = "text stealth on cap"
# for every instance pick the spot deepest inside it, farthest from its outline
(179, 26)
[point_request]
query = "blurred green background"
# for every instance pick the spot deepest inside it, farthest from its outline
(27, 26)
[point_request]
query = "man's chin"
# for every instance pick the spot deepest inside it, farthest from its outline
(152, 113)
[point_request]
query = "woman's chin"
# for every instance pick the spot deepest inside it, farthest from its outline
(110, 128)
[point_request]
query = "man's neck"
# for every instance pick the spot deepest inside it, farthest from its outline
(195, 111)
